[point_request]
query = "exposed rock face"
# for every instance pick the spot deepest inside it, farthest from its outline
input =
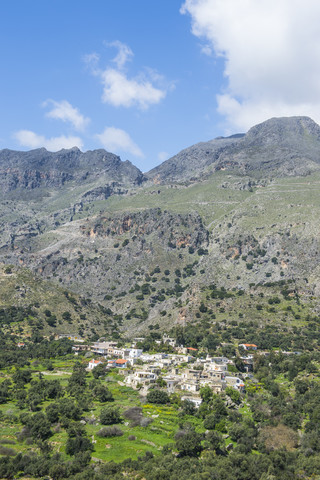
(40, 168)
(186, 230)
(279, 146)
(102, 193)
(191, 162)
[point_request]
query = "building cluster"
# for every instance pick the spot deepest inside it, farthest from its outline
(178, 372)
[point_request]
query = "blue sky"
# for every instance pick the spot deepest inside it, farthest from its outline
(147, 78)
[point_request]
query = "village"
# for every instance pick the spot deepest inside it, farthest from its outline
(182, 372)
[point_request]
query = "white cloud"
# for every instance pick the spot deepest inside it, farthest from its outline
(29, 139)
(142, 91)
(124, 53)
(91, 59)
(116, 140)
(206, 50)
(271, 50)
(118, 90)
(64, 111)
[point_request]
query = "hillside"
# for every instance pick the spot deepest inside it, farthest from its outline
(277, 147)
(241, 216)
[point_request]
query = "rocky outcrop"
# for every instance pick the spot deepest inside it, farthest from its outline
(175, 230)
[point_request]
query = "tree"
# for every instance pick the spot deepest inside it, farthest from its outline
(99, 371)
(77, 441)
(211, 421)
(69, 409)
(77, 381)
(188, 441)
(233, 394)
(20, 377)
(215, 440)
(102, 393)
(188, 407)
(110, 416)
(206, 394)
(52, 412)
(161, 382)
(158, 396)
(38, 425)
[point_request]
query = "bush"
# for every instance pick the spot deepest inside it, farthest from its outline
(102, 393)
(7, 441)
(7, 451)
(136, 418)
(210, 422)
(133, 414)
(188, 442)
(158, 396)
(110, 432)
(202, 251)
(188, 407)
(78, 444)
(110, 416)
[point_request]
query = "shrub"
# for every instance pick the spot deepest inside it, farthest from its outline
(7, 441)
(136, 418)
(133, 414)
(202, 251)
(210, 422)
(78, 444)
(158, 396)
(110, 415)
(188, 407)
(7, 451)
(188, 442)
(110, 432)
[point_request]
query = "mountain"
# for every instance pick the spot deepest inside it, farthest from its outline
(40, 168)
(237, 215)
(279, 146)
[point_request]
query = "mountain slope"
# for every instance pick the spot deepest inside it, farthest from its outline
(247, 218)
(40, 168)
(279, 146)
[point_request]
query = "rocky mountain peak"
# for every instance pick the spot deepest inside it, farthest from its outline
(41, 168)
(284, 130)
(278, 147)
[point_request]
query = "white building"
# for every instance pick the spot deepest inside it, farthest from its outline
(93, 363)
(132, 352)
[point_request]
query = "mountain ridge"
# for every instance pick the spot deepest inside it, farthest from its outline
(276, 146)
(37, 168)
(147, 250)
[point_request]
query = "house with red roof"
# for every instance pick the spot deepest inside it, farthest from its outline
(248, 346)
(93, 363)
(122, 363)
